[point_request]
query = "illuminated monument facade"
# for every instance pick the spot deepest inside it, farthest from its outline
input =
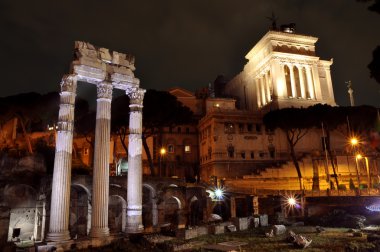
(283, 71)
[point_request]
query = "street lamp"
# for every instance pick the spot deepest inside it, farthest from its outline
(359, 157)
(162, 154)
(354, 141)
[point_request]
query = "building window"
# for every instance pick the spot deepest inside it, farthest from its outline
(258, 128)
(187, 130)
(249, 127)
(242, 154)
(229, 128)
(230, 151)
(171, 148)
(261, 154)
(187, 148)
(241, 127)
(252, 154)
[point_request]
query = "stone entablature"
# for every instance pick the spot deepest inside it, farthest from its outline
(93, 65)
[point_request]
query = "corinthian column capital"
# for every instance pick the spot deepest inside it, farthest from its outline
(136, 95)
(104, 90)
(69, 83)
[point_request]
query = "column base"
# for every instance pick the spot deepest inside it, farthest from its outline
(138, 229)
(134, 222)
(99, 232)
(58, 236)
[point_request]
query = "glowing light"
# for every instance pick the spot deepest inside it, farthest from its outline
(219, 193)
(216, 194)
(292, 201)
(162, 151)
(354, 141)
(359, 156)
(373, 207)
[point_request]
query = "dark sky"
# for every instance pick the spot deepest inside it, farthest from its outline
(184, 43)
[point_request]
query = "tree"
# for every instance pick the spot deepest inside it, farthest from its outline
(161, 109)
(374, 66)
(295, 123)
(327, 118)
(33, 111)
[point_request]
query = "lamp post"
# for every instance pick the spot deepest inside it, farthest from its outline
(162, 154)
(359, 157)
(354, 142)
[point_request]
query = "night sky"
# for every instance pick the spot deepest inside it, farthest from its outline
(184, 43)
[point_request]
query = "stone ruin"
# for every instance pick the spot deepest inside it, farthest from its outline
(107, 70)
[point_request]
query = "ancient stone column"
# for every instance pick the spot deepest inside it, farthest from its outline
(60, 195)
(100, 181)
(134, 195)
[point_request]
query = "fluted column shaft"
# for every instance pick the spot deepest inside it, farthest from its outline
(262, 87)
(100, 181)
(268, 86)
(60, 195)
(258, 92)
(310, 83)
(292, 81)
(302, 82)
(134, 190)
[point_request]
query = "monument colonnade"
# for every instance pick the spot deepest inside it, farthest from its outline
(107, 70)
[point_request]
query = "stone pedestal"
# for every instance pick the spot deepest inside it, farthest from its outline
(60, 195)
(241, 223)
(100, 182)
(263, 220)
(134, 191)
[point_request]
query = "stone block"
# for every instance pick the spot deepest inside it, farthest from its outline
(231, 228)
(241, 223)
(255, 222)
(263, 220)
(202, 231)
(279, 229)
(217, 229)
(191, 233)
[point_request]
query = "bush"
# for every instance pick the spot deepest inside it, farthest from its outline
(342, 187)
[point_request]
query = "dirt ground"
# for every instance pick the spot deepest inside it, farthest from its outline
(331, 239)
